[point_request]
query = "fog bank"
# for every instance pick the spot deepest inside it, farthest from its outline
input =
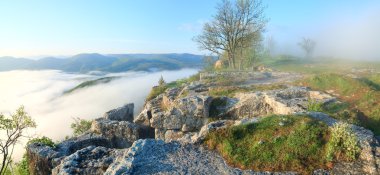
(41, 94)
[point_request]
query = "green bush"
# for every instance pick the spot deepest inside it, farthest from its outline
(314, 105)
(80, 126)
(43, 140)
(157, 90)
(343, 143)
(161, 81)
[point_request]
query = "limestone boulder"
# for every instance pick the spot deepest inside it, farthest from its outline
(121, 133)
(89, 160)
(124, 113)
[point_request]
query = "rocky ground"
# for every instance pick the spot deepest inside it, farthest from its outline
(166, 137)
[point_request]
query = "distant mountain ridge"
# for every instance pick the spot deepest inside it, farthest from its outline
(108, 63)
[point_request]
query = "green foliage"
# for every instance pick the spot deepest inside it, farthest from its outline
(344, 85)
(342, 111)
(90, 83)
(18, 119)
(20, 168)
(360, 98)
(157, 90)
(315, 106)
(275, 143)
(12, 129)
(43, 140)
(343, 143)
(80, 126)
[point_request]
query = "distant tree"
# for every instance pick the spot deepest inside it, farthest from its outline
(12, 129)
(234, 27)
(161, 81)
(270, 45)
(80, 126)
(208, 62)
(308, 45)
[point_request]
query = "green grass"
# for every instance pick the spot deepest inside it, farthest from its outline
(281, 143)
(314, 106)
(318, 65)
(156, 91)
(179, 83)
(360, 98)
(298, 145)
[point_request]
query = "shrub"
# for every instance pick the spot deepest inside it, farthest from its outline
(80, 126)
(343, 143)
(43, 140)
(161, 81)
(315, 106)
(157, 90)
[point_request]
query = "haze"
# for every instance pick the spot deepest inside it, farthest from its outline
(41, 92)
(344, 29)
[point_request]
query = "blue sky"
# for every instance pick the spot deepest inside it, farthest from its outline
(67, 27)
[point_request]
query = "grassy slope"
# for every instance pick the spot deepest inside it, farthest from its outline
(361, 103)
(322, 65)
(299, 145)
(360, 96)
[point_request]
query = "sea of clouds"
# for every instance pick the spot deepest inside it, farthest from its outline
(41, 93)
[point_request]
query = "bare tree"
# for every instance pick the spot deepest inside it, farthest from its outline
(12, 130)
(234, 27)
(308, 45)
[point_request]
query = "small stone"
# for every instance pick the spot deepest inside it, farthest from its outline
(260, 142)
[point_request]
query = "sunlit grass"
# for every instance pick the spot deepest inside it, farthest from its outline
(276, 143)
(360, 98)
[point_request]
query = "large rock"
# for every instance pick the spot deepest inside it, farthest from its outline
(43, 158)
(121, 133)
(124, 113)
(283, 102)
(180, 115)
(89, 160)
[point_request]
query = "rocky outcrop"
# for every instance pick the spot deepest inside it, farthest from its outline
(284, 101)
(43, 158)
(124, 113)
(120, 133)
(182, 115)
(158, 157)
(89, 160)
(114, 130)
